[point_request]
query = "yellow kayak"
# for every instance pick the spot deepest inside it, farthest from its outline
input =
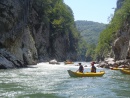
(87, 74)
(125, 71)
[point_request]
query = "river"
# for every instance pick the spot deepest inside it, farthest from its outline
(52, 81)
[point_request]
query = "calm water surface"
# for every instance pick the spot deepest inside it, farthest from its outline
(52, 81)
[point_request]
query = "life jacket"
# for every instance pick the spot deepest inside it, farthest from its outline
(81, 68)
(93, 69)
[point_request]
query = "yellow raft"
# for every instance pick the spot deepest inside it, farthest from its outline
(87, 74)
(69, 62)
(125, 71)
(114, 68)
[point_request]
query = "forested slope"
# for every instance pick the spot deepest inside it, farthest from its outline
(90, 30)
(115, 39)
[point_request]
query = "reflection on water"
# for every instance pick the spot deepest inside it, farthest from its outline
(52, 81)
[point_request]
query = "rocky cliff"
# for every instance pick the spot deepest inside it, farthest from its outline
(121, 45)
(114, 41)
(28, 36)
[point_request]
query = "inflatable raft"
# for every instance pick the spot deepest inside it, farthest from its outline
(125, 71)
(87, 74)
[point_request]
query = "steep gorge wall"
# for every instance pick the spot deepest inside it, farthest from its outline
(51, 43)
(121, 45)
(17, 46)
(26, 40)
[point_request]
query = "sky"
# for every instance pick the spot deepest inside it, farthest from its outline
(92, 10)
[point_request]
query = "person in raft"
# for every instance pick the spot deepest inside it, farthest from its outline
(93, 68)
(81, 68)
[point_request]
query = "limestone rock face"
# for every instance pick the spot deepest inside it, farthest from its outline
(121, 45)
(15, 37)
(50, 43)
(26, 40)
(7, 60)
(119, 3)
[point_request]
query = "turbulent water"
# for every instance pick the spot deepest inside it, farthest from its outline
(52, 81)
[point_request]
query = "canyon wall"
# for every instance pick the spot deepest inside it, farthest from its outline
(27, 36)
